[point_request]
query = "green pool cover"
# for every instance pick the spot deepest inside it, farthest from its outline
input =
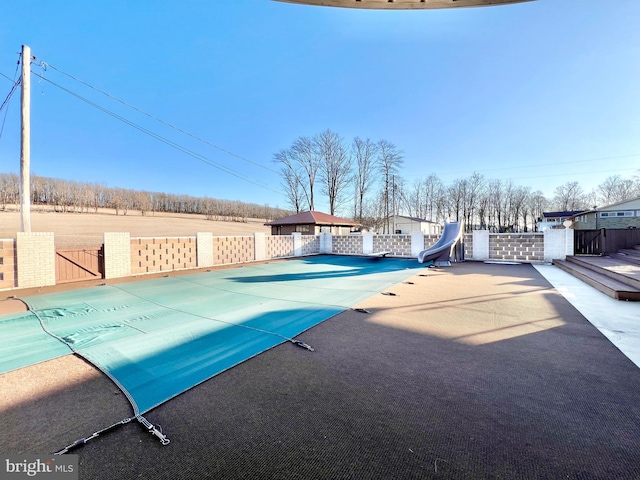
(157, 338)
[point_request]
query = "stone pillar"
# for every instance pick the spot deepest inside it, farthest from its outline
(480, 245)
(417, 243)
(260, 246)
(204, 249)
(36, 256)
(367, 243)
(117, 254)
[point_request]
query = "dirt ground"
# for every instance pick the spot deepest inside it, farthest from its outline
(80, 230)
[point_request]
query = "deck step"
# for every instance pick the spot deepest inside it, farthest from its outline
(627, 256)
(604, 283)
(613, 267)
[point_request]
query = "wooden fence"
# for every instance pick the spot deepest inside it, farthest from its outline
(604, 240)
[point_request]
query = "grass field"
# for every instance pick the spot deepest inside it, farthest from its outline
(79, 230)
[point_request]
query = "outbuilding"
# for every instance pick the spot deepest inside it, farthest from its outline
(312, 223)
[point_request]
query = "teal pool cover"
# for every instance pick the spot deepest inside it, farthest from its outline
(157, 338)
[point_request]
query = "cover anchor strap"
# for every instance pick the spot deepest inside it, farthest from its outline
(153, 430)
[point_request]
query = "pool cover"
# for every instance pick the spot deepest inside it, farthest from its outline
(158, 338)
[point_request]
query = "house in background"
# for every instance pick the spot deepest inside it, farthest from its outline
(619, 215)
(312, 223)
(400, 224)
(556, 219)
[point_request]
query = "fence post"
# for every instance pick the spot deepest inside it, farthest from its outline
(367, 243)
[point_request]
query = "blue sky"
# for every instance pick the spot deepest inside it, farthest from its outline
(542, 93)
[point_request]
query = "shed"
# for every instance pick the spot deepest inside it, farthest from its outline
(312, 223)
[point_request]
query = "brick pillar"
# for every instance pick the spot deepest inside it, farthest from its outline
(480, 245)
(260, 246)
(204, 249)
(117, 254)
(36, 259)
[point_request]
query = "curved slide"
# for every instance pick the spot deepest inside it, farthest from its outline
(441, 251)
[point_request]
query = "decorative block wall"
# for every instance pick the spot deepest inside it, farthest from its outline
(8, 275)
(227, 250)
(279, 246)
(310, 244)
(36, 256)
(152, 255)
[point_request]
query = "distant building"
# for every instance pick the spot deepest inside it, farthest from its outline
(400, 224)
(312, 223)
(619, 215)
(556, 219)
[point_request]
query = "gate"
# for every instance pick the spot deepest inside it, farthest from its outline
(588, 242)
(78, 265)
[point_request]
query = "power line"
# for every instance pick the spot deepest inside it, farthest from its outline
(164, 140)
(47, 65)
(8, 99)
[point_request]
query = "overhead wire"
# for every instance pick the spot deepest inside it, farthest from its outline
(13, 89)
(158, 137)
(195, 137)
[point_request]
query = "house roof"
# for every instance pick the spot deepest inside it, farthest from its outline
(566, 214)
(631, 204)
(415, 219)
(313, 218)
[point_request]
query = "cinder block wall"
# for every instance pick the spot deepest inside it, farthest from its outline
(398, 245)
(152, 255)
(228, 250)
(347, 244)
(467, 238)
(521, 247)
(8, 275)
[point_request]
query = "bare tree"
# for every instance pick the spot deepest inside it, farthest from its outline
(300, 161)
(569, 196)
(389, 162)
(364, 153)
(616, 189)
(335, 166)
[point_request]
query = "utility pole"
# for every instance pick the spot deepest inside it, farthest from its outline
(25, 142)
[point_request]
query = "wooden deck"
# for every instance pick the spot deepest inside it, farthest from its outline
(617, 275)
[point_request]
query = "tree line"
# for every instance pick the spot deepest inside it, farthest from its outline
(72, 196)
(364, 177)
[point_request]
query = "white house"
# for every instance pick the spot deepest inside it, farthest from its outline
(400, 224)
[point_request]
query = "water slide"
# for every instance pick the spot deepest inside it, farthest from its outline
(441, 251)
